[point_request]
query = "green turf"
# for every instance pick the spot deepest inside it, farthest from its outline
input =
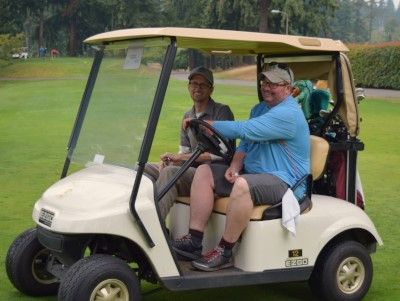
(47, 68)
(36, 117)
(380, 173)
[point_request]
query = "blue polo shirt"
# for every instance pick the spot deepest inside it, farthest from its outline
(276, 140)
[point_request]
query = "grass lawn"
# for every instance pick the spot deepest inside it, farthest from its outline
(47, 68)
(36, 117)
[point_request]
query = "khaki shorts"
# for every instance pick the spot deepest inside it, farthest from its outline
(265, 189)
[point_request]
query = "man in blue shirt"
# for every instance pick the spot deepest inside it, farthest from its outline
(272, 156)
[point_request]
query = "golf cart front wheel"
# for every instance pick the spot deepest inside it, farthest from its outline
(26, 263)
(99, 277)
(344, 273)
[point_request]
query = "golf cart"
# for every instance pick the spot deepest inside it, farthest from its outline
(21, 53)
(98, 229)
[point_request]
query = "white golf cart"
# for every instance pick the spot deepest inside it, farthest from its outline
(98, 229)
(21, 53)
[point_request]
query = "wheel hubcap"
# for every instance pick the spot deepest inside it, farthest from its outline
(350, 275)
(110, 290)
(39, 271)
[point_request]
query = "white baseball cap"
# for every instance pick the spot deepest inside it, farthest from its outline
(277, 73)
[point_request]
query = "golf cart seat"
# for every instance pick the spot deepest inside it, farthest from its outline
(319, 154)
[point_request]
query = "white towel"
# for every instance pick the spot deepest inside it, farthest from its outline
(290, 211)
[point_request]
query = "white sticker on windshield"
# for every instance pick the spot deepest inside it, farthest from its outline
(98, 159)
(133, 58)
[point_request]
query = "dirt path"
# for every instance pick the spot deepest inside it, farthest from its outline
(382, 93)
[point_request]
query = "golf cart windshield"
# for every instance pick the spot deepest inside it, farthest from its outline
(120, 103)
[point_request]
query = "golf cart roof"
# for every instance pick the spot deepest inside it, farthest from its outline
(227, 41)
(309, 57)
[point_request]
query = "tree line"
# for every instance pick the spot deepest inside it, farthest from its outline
(64, 24)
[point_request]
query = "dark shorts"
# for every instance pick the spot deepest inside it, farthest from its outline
(265, 189)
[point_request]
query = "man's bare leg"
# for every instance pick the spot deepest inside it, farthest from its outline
(237, 217)
(201, 205)
(239, 211)
(201, 198)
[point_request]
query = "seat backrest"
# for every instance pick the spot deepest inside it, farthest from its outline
(319, 155)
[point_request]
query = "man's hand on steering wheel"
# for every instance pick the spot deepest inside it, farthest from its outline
(186, 121)
(210, 138)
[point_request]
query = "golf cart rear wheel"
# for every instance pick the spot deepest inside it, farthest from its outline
(99, 277)
(343, 273)
(26, 266)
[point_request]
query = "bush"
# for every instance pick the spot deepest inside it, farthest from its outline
(9, 43)
(376, 66)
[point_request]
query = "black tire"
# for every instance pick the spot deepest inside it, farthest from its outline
(99, 275)
(343, 273)
(26, 266)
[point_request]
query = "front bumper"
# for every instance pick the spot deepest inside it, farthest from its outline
(66, 248)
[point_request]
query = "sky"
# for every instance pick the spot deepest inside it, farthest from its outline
(396, 3)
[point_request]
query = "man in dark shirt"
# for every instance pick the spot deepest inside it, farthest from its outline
(201, 86)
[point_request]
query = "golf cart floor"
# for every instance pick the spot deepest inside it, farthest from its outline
(188, 270)
(192, 278)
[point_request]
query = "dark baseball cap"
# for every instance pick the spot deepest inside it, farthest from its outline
(203, 71)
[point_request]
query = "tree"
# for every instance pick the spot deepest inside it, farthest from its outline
(70, 13)
(84, 18)
(11, 16)
(309, 17)
(373, 15)
(342, 21)
(29, 17)
(391, 25)
(360, 26)
(184, 13)
(350, 22)
(66, 23)
(133, 13)
(264, 8)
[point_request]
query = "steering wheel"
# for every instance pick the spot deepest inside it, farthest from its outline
(212, 140)
(208, 140)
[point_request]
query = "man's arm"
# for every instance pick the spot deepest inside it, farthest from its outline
(280, 124)
(185, 148)
(222, 112)
(181, 157)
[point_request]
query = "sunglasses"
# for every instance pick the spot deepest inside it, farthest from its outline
(265, 83)
(202, 86)
(281, 66)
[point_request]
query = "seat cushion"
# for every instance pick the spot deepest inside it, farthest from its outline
(259, 212)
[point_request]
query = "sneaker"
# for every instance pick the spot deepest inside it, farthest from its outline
(219, 258)
(185, 247)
